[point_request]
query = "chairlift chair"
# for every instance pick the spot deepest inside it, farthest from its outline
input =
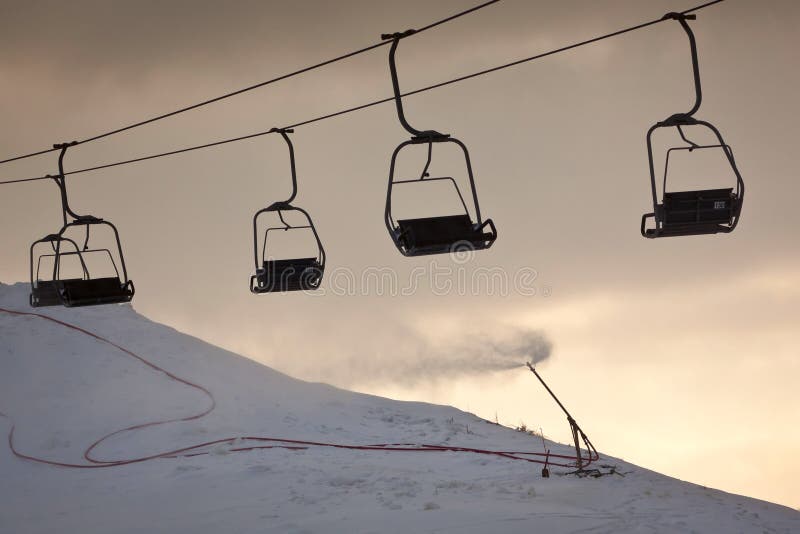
(283, 275)
(440, 234)
(694, 212)
(87, 290)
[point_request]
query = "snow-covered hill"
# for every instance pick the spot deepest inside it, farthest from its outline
(63, 389)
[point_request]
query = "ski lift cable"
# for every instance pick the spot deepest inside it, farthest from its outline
(374, 103)
(253, 87)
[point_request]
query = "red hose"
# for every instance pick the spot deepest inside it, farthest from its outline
(282, 443)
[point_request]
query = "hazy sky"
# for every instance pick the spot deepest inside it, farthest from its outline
(678, 354)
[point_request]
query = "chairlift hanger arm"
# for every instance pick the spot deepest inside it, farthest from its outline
(682, 18)
(61, 181)
(284, 133)
(427, 134)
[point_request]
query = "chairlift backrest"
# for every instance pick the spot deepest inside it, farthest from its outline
(432, 195)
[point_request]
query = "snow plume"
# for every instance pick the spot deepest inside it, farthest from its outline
(415, 358)
(482, 353)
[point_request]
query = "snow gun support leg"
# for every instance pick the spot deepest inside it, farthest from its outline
(577, 434)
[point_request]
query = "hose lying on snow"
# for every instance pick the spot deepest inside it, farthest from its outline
(250, 443)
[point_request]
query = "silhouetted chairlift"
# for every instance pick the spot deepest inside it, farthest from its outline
(696, 212)
(432, 235)
(87, 290)
(280, 275)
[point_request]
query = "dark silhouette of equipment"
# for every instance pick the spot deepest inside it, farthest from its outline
(707, 211)
(580, 461)
(86, 290)
(432, 235)
(295, 274)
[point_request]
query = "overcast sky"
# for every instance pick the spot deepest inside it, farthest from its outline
(678, 354)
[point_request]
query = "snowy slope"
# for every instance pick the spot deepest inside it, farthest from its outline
(64, 389)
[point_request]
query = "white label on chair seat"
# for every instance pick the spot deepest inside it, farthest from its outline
(719, 204)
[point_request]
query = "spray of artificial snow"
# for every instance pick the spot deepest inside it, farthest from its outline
(489, 352)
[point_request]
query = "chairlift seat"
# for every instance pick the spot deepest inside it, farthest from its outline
(46, 293)
(707, 211)
(303, 274)
(436, 235)
(699, 207)
(96, 291)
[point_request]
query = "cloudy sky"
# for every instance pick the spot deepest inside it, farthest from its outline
(677, 354)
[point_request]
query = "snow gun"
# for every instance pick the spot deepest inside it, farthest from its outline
(577, 433)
